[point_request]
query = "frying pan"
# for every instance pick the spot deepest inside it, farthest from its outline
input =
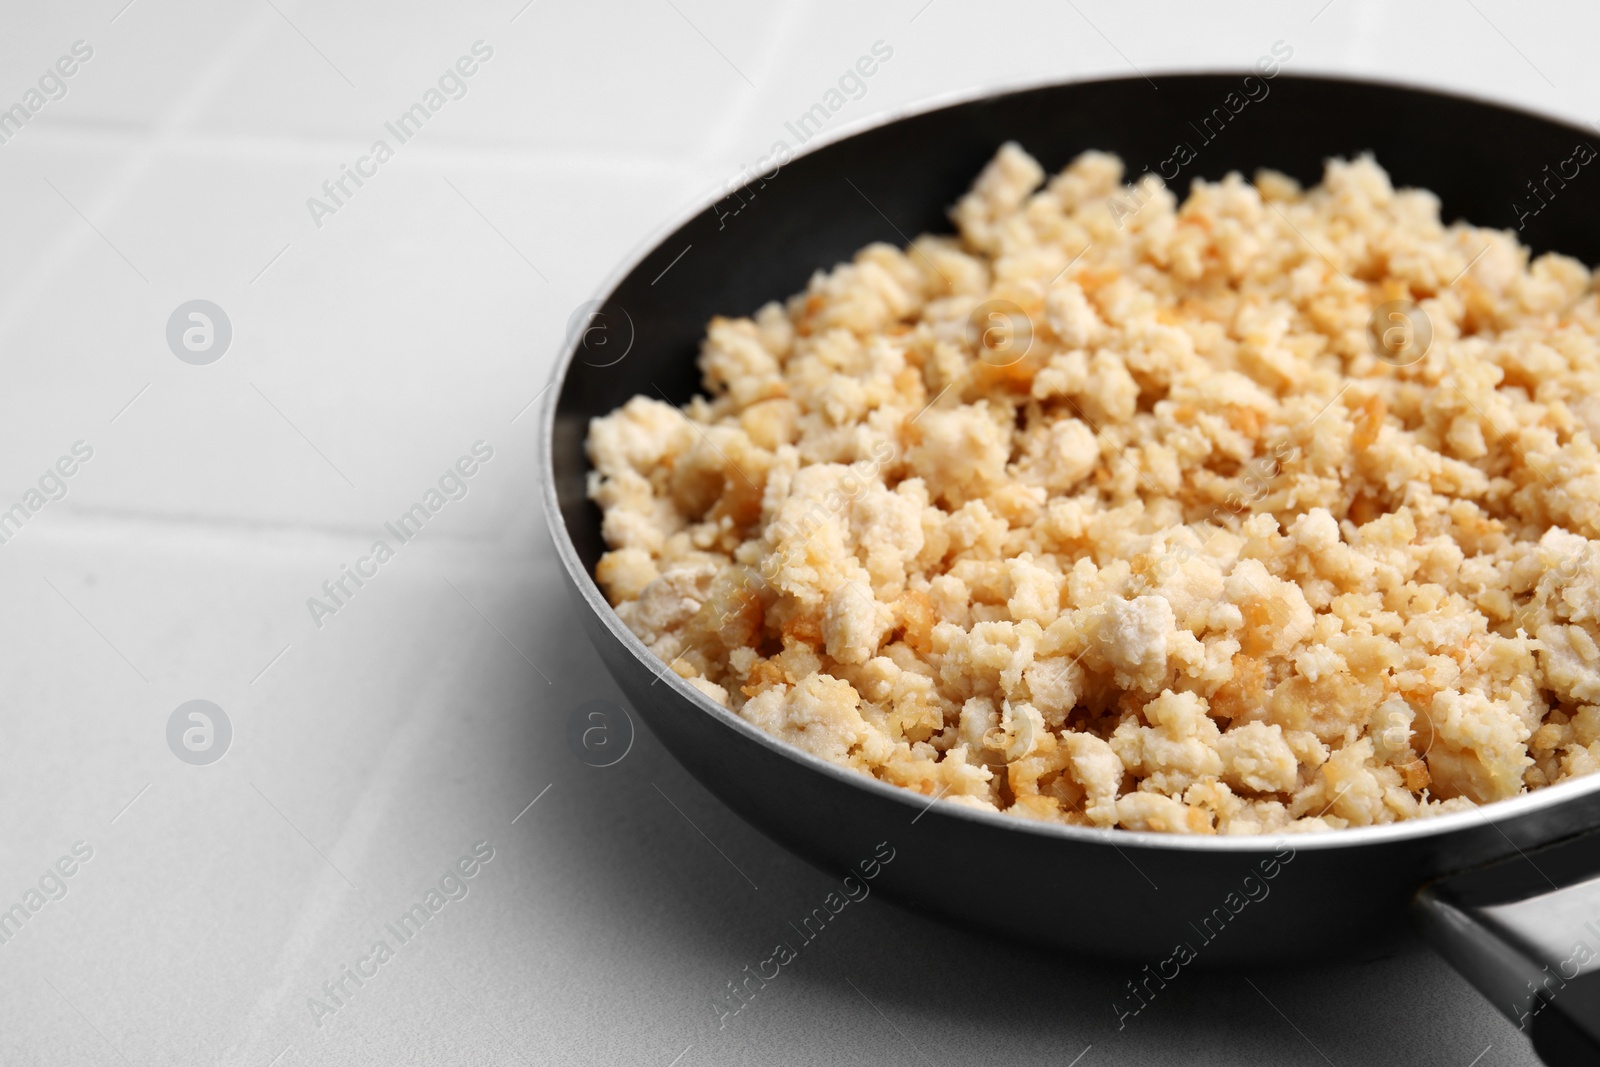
(1509, 893)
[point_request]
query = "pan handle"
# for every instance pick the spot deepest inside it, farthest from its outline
(1526, 932)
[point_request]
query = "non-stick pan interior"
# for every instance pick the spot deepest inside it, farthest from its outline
(890, 183)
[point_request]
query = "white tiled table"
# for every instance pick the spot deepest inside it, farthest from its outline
(371, 752)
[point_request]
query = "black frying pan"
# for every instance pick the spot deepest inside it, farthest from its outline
(1510, 894)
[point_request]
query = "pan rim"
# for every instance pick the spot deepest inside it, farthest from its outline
(1494, 814)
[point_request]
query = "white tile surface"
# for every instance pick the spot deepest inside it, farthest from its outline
(370, 753)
